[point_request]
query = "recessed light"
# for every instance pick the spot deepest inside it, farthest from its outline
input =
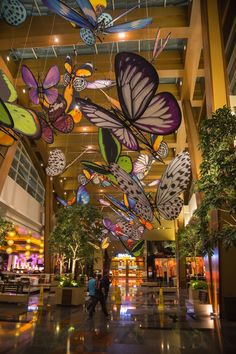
(89, 147)
(56, 40)
(64, 178)
(84, 129)
(61, 180)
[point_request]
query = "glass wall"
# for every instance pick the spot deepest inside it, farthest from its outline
(25, 174)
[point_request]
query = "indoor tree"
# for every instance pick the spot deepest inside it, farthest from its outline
(76, 234)
(5, 227)
(193, 239)
(217, 181)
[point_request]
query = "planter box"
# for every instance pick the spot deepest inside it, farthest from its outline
(70, 296)
(193, 294)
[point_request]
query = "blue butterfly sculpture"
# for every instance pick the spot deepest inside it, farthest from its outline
(92, 25)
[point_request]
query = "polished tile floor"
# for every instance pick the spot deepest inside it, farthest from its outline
(136, 326)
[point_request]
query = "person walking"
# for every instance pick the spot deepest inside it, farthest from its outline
(91, 290)
(99, 297)
(105, 281)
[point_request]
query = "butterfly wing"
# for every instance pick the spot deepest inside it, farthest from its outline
(102, 118)
(30, 81)
(5, 116)
(28, 77)
(82, 196)
(61, 201)
(88, 11)
(99, 84)
(162, 116)
(142, 164)
(64, 124)
(129, 26)
(50, 95)
(56, 163)
(133, 191)
(7, 90)
(85, 70)
(52, 78)
(137, 82)
(47, 132)
(66, 12)
(174, 181)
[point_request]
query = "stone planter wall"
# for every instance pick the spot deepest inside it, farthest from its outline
(70, 296)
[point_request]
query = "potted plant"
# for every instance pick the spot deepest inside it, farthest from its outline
(195, 287)
(70, 292)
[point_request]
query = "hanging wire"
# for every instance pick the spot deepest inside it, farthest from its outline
(22, 56)
(51, 32)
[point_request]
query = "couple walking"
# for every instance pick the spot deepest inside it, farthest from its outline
(98, 288)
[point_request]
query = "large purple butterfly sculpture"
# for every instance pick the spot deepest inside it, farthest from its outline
(44, 90)
(53, 116)
(142, 109)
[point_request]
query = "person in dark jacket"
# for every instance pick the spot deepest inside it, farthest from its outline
(106, 284)
(99, 297)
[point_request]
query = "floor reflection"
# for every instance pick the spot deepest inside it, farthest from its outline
(138, 324)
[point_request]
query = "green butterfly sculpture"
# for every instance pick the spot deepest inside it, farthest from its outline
(15, 120)
(110, 149)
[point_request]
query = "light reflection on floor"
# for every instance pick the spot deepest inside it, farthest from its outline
(137, 325)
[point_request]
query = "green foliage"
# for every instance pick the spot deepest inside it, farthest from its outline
(198, 284)
(218, 169)
(5, 227)
(66, 282)
(75, 227)
(193, 238)
(218, 173)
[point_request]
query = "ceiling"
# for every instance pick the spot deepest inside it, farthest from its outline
(46, 39)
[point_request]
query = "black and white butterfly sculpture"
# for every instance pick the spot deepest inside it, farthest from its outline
(168, 203)
(142, 110)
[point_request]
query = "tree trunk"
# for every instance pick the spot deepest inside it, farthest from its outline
(73, 268)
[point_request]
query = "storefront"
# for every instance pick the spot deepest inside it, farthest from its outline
(127, 267)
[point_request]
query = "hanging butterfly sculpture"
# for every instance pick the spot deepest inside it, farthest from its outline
(168, 204)
(56, 163)
(40, 91)
(110, 149)
(53, 116)
(115, 229)
(91, 25)
(82, 197)
(15, 120)
(74, 81)
(141, 109)
(13, 12)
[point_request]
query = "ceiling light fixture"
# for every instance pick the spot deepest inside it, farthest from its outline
(121, 35)
(90, 147)
(56, 40)
(8, 58)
